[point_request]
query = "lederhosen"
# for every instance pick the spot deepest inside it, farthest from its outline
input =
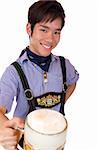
(47, 100)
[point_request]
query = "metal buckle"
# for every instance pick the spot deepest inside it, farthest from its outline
(64, 87)
(28, 92)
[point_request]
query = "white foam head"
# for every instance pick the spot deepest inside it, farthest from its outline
(46, 121)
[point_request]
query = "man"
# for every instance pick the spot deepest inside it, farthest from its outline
(46, 74)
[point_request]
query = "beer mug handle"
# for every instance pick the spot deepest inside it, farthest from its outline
(19, 129)
(20, 133)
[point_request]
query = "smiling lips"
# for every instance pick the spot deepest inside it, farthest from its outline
(46, 46)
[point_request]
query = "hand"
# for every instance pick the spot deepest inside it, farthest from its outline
(9, 135)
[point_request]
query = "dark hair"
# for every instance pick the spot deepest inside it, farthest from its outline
(46, 11)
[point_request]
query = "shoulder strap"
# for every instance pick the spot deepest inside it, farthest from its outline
(27, 90)
(21, 75)
(63, 67)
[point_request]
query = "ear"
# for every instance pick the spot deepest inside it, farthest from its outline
(28, 29)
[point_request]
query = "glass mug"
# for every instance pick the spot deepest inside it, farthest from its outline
(45, 129)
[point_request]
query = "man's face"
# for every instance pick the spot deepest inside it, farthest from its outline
(45, 36)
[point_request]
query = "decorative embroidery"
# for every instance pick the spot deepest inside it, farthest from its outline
(49, 100)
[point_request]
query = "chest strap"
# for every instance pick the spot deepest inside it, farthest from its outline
(27, 90)
(64, 88)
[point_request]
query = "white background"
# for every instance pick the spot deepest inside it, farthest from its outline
(79, 43)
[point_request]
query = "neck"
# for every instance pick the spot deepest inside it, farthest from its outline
(32, 50)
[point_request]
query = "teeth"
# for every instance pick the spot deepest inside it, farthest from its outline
(46, 46)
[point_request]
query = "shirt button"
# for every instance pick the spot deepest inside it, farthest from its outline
(35, 65)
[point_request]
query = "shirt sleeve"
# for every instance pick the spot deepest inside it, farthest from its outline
(71, 73)
(8, 88)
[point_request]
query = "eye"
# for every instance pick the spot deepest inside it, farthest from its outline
(43, 30)
(57, 32)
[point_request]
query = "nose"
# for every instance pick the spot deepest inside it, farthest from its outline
(50, 37)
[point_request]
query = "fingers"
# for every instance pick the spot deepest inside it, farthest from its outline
(6, 133)
(8, 145)
(9, 138)
(10, 135)
(9, 148)
(19, 122)
(15, 122)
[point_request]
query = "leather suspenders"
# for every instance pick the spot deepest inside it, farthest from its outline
(64, 88)
(28, 92)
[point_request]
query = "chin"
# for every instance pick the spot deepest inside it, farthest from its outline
(45, 53)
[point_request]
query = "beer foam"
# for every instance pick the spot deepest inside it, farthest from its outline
(46, 121)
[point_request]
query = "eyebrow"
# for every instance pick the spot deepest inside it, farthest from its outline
(58, 29)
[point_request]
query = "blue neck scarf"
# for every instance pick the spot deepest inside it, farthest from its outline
(41, 61)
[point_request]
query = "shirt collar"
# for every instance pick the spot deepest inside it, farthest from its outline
(54, 57)
(24, 57)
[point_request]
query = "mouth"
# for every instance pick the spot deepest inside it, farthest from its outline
(46, 46)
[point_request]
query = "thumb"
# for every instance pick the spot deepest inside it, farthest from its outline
(19, 122)
(16, 122)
